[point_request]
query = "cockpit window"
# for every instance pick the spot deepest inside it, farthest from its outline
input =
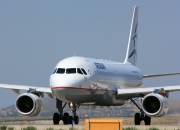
(60, 71)
(71, 71)
(54, 70)
(84, 71)
(79, 71)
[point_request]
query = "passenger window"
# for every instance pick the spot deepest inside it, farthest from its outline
(84, 71)
(71, 70)
(60, 71)
(79, 71)
(54, 70)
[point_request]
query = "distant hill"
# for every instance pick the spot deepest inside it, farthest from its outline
(127, 110)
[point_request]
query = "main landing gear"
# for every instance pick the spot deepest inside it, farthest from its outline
(141, 116)
(65, 117)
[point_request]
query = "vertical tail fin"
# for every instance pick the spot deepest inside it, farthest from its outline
(131, 55)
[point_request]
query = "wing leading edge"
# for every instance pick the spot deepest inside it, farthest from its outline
(17, 88)
(140, 92)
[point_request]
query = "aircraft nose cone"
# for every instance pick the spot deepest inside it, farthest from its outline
(58, 80)
(66, 86)
(67, 80)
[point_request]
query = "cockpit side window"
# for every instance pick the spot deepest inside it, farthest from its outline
(79, 71)
(84, 71)
(54, 71)
(71, 71)
(60, 71)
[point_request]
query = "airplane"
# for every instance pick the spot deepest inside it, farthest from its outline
(78, 81)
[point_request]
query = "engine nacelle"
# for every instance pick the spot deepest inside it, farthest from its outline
(28, 104)
(155, 105)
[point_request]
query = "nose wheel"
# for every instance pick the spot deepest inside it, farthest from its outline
(75, 118)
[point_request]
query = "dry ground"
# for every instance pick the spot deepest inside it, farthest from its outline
(163, 123)
(81, 127)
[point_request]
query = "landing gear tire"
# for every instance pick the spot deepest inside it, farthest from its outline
(56, 118)
(140, 116)
(147, 120)
(66, 118)
(76, 120)
(137, 119)
(70, 119)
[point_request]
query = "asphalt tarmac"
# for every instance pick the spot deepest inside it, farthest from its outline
(81, 127)
(44, 125)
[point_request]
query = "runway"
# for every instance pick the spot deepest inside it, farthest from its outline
(81, 127)
(45, 124)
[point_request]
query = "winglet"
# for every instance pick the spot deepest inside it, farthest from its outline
(131, 55)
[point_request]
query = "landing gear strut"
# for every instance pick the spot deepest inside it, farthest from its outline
(141, 116)
(65, 117)
(59, 116)
(74, 117)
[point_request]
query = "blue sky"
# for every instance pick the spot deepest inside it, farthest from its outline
(36, 35)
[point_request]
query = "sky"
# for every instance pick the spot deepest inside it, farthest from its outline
(36, 35)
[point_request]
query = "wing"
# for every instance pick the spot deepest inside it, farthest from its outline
(140, 92)
(17, 88)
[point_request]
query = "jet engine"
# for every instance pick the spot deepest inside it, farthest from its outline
(155, 105)
(28, 104)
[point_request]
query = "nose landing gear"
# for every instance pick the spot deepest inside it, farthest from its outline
(74, 117)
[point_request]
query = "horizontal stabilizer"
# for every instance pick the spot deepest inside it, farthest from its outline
(160, 75)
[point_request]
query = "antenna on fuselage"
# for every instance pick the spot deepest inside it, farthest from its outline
(74, 54)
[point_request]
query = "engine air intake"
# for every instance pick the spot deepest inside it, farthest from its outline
(151, 104)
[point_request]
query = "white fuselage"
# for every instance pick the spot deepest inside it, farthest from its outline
(97, 85)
